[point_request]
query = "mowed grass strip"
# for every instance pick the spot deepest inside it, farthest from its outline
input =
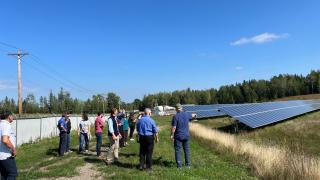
(40, 160)
(206, 164)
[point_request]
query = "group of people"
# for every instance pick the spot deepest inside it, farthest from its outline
(118, 128)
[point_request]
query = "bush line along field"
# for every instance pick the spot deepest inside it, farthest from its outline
(39, 160)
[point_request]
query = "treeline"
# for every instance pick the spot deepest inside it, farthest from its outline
(63, 102)
(248, 91)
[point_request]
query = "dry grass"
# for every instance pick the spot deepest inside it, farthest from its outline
(301, 97)
(268, 162)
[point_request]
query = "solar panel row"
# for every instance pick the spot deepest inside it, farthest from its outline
(206, 111)
(256, 115)
(261, 114)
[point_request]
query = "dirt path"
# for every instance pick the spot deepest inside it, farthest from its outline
(86, 172)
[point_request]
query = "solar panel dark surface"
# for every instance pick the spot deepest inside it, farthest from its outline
(205, 111)
(260, 114)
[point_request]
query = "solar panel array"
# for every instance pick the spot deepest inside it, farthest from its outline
(206, 111)
(260, 114)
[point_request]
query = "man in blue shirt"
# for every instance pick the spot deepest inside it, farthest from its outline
(147, 131)
(62, 126)
(180, 134)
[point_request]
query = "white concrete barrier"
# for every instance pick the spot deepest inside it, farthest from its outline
(35, 129)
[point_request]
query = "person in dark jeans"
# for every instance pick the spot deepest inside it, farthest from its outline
(62, 126)
(8, 167)
(84, 133)
(120, 121)
(99, 125)
(147, 131)
(68, 120)
(180, 135)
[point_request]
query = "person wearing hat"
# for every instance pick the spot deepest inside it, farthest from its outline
(180, 134)
(8, 168)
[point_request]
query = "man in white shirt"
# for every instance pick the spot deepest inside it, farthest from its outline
(8, 168)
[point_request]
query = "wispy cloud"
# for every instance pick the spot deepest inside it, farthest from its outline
(238, 68)
(5, 85)
(30, 89)
(9, 85)
(260, 39)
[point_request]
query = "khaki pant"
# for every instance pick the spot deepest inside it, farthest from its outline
(113, 152)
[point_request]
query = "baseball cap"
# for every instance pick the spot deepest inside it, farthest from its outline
(178, 106)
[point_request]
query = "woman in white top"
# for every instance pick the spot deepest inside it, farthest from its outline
(84, 133)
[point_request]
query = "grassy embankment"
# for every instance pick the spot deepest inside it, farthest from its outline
(290, 149)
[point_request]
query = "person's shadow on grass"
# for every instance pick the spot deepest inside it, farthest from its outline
(162, 162)
(127, 155)
(158, 161)
(52, 152)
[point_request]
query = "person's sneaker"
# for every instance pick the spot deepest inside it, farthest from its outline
(131, 139)
(188, 167)
(87, 151)
(141, 168)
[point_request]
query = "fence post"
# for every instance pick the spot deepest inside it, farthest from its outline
(16, 132)
(56, 122)
(40, 128)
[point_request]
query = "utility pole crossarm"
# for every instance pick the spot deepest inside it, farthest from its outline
(17, 54)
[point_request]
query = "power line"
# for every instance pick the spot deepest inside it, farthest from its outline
(9, 45)
(5, 51)
(62, 77)
(38, 60)
(54, 78)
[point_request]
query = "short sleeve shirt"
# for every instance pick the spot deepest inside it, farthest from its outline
(6, 130)
(146, 126)
(84, 126)
(181, 122)
(62, 122)
(99, 124)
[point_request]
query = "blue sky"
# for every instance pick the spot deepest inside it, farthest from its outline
(146, 46)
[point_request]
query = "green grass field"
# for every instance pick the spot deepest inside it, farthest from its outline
(300, 135)
(40, 160)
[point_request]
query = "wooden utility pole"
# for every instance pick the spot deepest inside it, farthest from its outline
(19, 56)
